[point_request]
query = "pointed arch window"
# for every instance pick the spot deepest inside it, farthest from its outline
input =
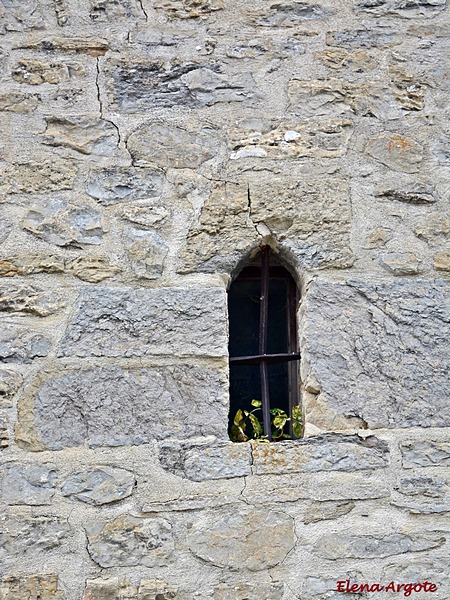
(263, 350)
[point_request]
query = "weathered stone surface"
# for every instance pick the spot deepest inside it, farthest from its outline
(423, 495)
(91, 46)
(434, 229)
(416, 8)
(64, 224)
(33, 586)
(109, 589)
(376, 36)
(4, 435)
(268, 591)
(146, 251)
(146, 214)
(322, 511)
(150, 589)
(419, 569)
(378, 238)
(32, 484)
(396, 152)
(18, 102)
(105, 11)
(339, 59)
(99, 485)
(88, 407)
(92, 268)
(319, 454)
(20, 15)
(381, 349)
(292, 13)
(283, 140)
(27, 264)
(28, 536)
(38, 177)
(335, 546)
(86, 136)
(442, 261)
(127, 541)
(238, 539)
(37, 72)
(19, 345)
(138, 85)
(155, 144)
(188, 9)
(5, 229)
(200, 464)
(401, 263)
(414, 193)
(10, 382)
(427, 486)
(425, 454)
(126, 322)
(28, 299)
(123, 184)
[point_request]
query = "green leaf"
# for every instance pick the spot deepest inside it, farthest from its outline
(237, 434)
(257, 426)
(257, 403)
(297, 429)
(279, 421)
(239, 419)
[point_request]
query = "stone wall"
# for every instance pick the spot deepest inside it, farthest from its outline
(148, 148)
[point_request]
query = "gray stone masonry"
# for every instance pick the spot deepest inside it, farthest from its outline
(149, 148)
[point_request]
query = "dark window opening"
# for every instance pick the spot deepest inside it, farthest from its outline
(262, 303)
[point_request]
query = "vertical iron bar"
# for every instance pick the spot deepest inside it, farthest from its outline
(263, 321)
(293, 366)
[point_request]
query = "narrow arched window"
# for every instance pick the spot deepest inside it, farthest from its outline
(262, 303)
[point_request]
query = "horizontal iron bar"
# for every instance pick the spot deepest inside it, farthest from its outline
(268, 358)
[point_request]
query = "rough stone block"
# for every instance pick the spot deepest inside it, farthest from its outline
(413, 193)
(417, 8)
(99, 485)
(107, 11)
(442, 261)
(155, 589)
(155, 144)
(188, 9)
(324, 511)
(29, 264)
(31, 484)
(425, 453)
(396, 152)
(335, 546)
(59, 222)
(293, 14)
(401, 263)
(37, 72)
(237, 539)
(109, 589)
(376, 352)
(92, 268)
(434, 229)
(21, 15)
(34, 586)
(88, 407)
(4, 435)
(10, 382)
(129, 541)
(146, 251)
(86, 136)
(319, 454)
(92, 46)
(39, 177)
(28, 300)
(19, 345)
(5, 229)
(31, 536)
(125, 322)
(18, 102)
(376, 36)
(249, 591)
(123, 184)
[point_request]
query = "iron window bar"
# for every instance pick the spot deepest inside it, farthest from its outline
(263, 359)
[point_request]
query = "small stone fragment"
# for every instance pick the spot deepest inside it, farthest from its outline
(401, 263)
(99, 485)
(129, 541)
(33, 586)
(38, 177)
(18, 102)
(86, 136)
(322, 511)
(188, 9)
(118, 184)
(35, 72)
(249, 591)
(378, 238)
(28, 299)
(92, 268)
(442, 261)
(28, 264)
(425, 454)
(155, 589)
(434, 228)
(31, 484)
(10, 382)
(411, 194)
(146, 251)
(396, 152)
(4, 435)
(78, 45)
(24, 536)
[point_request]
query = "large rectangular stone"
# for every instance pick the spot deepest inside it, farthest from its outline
(126, 322)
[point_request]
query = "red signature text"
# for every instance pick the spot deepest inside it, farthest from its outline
(406, 588)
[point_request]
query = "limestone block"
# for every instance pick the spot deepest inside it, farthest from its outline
(326, 138)
(4, 435)
(396, 152)
(356, 61)
(84, 135)
(146, 251)
(434, 229)
(10, 382)
(20, 15)
(37, 72)
(18, 102)
(155, 144)
(188, 9)
(123, 184)
(32, 484)
(88, 407)
(155, 589)
(92, 46)
(145, 214)
(34, 586)
(376, 36)
(401, 263)
(109, 589)
(335, 546)
(414, 193)
(381, 349)
(249, 591)
(22, 345)
(28, 299)
(292, 14)
(136, 85)
(323, 511)
(38, 177)
(224, 232)
(319, 454)
(127, 322)
(106, 11)
(92, 268)
(442, 261)
(202, 464)
(28, 264)
(128, 541)
(99, 485)
(425, 454)
(30, 536)
(237, 539)
(418, 8)
(59, 222)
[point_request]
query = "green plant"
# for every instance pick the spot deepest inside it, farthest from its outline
(244, 419)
